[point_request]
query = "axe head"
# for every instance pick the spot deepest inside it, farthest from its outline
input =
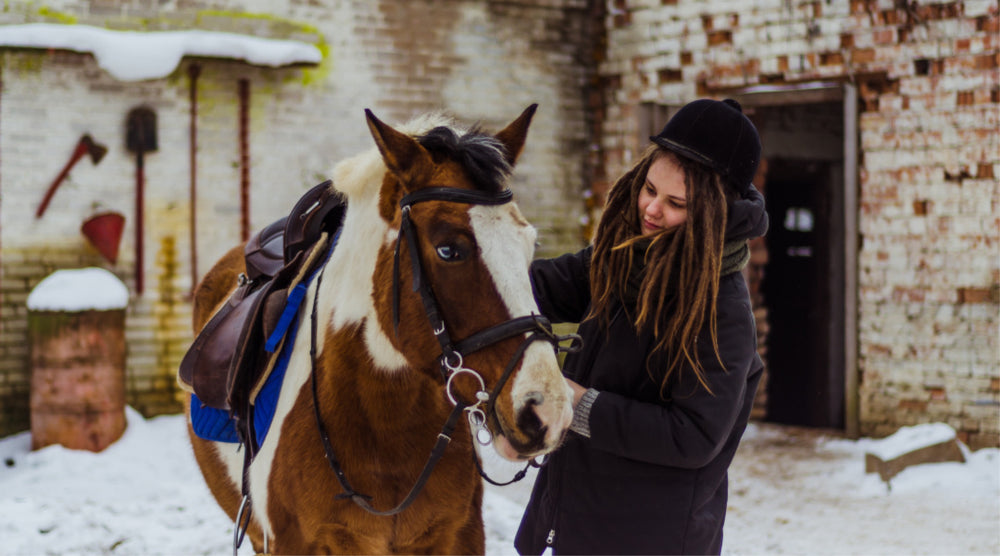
(94, 149)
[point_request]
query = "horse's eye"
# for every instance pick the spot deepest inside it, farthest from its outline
(450, 253)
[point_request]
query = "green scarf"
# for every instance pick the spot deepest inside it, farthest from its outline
(735, 256)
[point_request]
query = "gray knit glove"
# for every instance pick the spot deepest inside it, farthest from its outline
(581, 413)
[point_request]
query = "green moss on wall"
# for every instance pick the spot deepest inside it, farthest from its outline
(57, 16)
(279, 28)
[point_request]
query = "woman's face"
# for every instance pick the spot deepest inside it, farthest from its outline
(663, 198)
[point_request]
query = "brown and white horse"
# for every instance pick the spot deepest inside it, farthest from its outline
(382, 397)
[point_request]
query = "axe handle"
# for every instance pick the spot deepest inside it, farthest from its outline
(81, 149)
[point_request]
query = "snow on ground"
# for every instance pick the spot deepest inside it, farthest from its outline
(793, 491)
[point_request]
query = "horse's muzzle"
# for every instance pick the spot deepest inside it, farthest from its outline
(540, 428)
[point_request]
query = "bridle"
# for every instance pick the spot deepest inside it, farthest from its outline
(452, 355)
(451, 360)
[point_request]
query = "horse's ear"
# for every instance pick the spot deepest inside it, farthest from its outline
(404, 157)
(513, 135)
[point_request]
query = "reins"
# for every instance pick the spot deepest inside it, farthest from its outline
(362, 500)
(451, 359)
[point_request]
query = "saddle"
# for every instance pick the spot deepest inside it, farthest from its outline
(232, 355)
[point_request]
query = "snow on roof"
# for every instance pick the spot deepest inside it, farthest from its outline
(85, 289)
(137, 55)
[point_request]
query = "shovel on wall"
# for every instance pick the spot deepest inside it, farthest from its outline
(140, 138)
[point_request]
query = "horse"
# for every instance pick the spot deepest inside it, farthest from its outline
(367, 391)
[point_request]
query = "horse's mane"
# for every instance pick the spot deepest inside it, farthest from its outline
(480, 154)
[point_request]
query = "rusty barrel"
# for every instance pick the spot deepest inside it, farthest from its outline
(76, 329)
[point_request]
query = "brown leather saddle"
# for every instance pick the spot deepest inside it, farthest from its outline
(228, 361)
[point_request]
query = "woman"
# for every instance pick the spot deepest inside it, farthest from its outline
(665, 381)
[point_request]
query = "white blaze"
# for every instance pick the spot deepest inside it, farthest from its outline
(507, 242)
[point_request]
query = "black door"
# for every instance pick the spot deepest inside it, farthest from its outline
(803, 292)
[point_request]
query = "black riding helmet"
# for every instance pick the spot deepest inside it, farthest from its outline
(717, 134)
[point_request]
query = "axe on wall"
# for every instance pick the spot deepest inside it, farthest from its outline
(86, 145)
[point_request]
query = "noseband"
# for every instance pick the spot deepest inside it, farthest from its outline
(451, 360)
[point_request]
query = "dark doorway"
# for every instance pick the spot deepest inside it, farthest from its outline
(805, 380)
(803, 285)
(805, 294)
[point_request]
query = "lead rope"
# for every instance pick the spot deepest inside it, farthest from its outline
(517, 476)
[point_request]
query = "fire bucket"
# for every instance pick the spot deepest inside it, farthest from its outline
(104, 231)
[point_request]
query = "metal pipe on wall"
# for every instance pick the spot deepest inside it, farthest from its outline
(1, 207)
(194, 70)
(244, 93)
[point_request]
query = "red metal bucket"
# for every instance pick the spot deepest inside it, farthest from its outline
(104, 231)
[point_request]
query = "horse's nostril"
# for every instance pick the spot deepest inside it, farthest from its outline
(534, 398)
(531, 427)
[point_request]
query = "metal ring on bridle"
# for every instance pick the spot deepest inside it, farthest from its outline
(463, 370)
(453, 367)
(477, 424)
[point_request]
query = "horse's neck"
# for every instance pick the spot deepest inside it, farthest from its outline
(376, 398)
(361, 369)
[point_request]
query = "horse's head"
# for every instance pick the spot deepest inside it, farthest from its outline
(451, 288)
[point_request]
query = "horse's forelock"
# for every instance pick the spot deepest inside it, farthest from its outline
(481, 155)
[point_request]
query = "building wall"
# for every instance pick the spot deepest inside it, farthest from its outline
(482, 61)
(927, 72)
(929, 85)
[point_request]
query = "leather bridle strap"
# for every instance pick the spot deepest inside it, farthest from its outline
(363, 500)
(504, 330)
(407, 232)
(452, 353)
(538, 327)
(456, 195)
(419, 285)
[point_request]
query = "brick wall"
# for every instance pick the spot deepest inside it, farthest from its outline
(927, 74)
(479, 60)
(929, 85)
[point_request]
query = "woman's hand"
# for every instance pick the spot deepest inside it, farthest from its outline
(578, 391)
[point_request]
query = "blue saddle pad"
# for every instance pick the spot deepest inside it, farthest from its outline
(217, 424)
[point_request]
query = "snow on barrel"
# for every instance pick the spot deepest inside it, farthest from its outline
(76, 330)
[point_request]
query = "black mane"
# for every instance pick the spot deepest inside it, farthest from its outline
(482, 156)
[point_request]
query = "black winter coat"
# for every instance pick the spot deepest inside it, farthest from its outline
(652, 477)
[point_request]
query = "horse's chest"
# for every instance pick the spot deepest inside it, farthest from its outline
(381, 463)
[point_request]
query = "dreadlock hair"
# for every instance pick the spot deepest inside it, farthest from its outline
(682, 264)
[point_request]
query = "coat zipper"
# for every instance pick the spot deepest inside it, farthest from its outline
(552, 537)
